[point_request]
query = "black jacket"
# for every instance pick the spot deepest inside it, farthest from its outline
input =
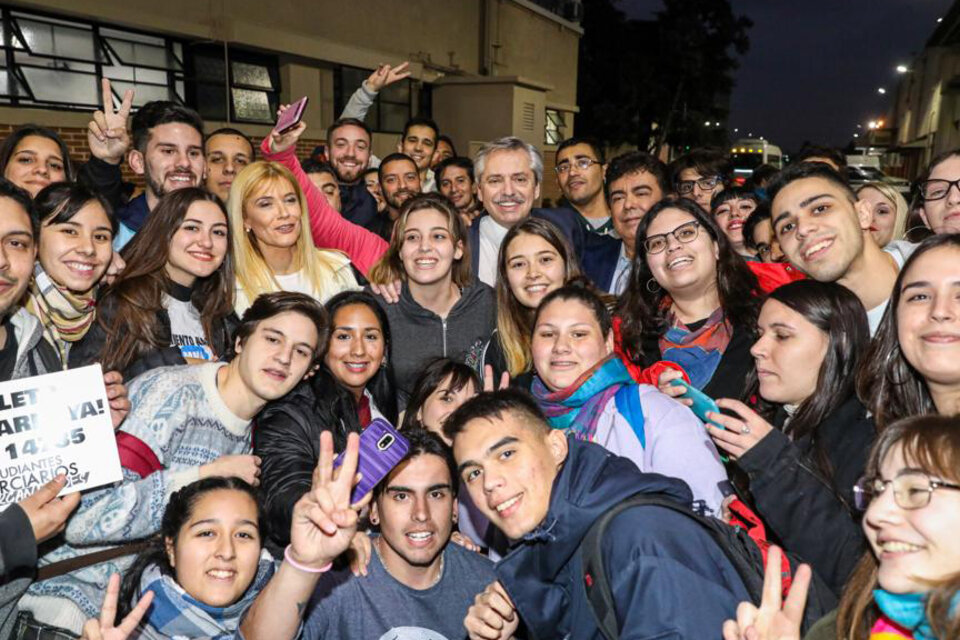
(286, 436)
(359, 206)
(811, 515)
(563, 219)
(668, 577)
(89, 348)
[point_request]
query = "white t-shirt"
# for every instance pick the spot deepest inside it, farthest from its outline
(900, 250)
(297, 282)
(186, 329)
(491, 237)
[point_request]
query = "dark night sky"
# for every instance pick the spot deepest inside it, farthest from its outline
(814, 66)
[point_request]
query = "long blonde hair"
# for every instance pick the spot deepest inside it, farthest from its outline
(254, 276)
(898, 202)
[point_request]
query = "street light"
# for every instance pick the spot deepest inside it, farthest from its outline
(881, 91)
(902, 68)
(707, 123)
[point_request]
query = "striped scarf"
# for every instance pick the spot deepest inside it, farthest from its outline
(577, 408)
(175, 614)
(698, 352)
(65, 316)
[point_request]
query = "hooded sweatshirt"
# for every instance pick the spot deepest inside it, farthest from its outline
(418, 334)
(668, 577)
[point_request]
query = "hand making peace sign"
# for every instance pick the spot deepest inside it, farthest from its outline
(107, 134)
(324, 521)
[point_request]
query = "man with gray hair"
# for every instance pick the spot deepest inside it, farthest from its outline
(509, 173)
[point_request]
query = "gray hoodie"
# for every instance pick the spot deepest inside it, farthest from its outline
(418, 334)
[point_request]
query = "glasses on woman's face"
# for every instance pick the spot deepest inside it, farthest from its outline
(685, 233)
(685, 187)
(937, 189)
(911, 490)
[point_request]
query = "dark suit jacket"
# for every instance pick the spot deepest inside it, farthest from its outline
(598, 260)
(561, 218)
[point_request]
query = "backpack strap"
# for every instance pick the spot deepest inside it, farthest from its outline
(595, 578)
(628, 405)
(136, 455)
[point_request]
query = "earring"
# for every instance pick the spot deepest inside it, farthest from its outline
(383, 363)
(653, 286)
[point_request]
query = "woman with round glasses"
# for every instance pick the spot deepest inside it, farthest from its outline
(913, 365)
(938, 199)
(690, 300)
(908, 584)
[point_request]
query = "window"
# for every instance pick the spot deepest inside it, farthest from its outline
(250, 89)
(52, 62)
(392, 107)
(555, 127)
(47, 61)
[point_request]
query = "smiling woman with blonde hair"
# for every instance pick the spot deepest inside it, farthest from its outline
(268, 215)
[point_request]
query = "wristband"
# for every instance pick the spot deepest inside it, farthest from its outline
(297, 565)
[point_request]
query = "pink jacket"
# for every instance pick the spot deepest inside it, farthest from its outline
(329, 229)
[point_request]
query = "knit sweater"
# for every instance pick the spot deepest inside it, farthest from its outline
(179, 413)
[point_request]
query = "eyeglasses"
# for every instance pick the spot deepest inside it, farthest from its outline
(685, 187)
(911, 490)
(685, 233)
(937, 189)
(581, 163)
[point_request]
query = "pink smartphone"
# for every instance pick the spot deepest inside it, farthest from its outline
(381, 449)
(292, 116)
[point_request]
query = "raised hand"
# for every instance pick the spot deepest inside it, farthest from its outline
(492, 615)
(324, 521)
(47, 513)
(739, 435)
(107, 134)
(770, 621)
(103, 628)
(488, 379)
(385, 75)
(280, 142)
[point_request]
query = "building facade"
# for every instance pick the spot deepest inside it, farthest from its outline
(480, 68)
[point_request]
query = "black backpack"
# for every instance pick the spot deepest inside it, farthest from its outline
(740, 549)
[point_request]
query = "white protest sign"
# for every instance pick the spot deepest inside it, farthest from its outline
(52, 424)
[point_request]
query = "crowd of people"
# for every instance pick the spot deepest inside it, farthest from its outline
(554, 371)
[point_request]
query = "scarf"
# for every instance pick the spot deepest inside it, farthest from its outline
(577, 408)
(66, 317)
(904, 614)
(175, 614)
(698, 352)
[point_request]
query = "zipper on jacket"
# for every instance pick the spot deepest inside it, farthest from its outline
(443, 321)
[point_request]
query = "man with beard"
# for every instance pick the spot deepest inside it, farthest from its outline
(418, 586)
(455, 181)
(509, 174)
(419, 141)
(580, 168)
(399, 181)
(348, 147)
(167, 151)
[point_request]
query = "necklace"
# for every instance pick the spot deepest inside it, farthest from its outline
(376, 547)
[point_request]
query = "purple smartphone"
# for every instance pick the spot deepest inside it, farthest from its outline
(292, 116)
(381, 449)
